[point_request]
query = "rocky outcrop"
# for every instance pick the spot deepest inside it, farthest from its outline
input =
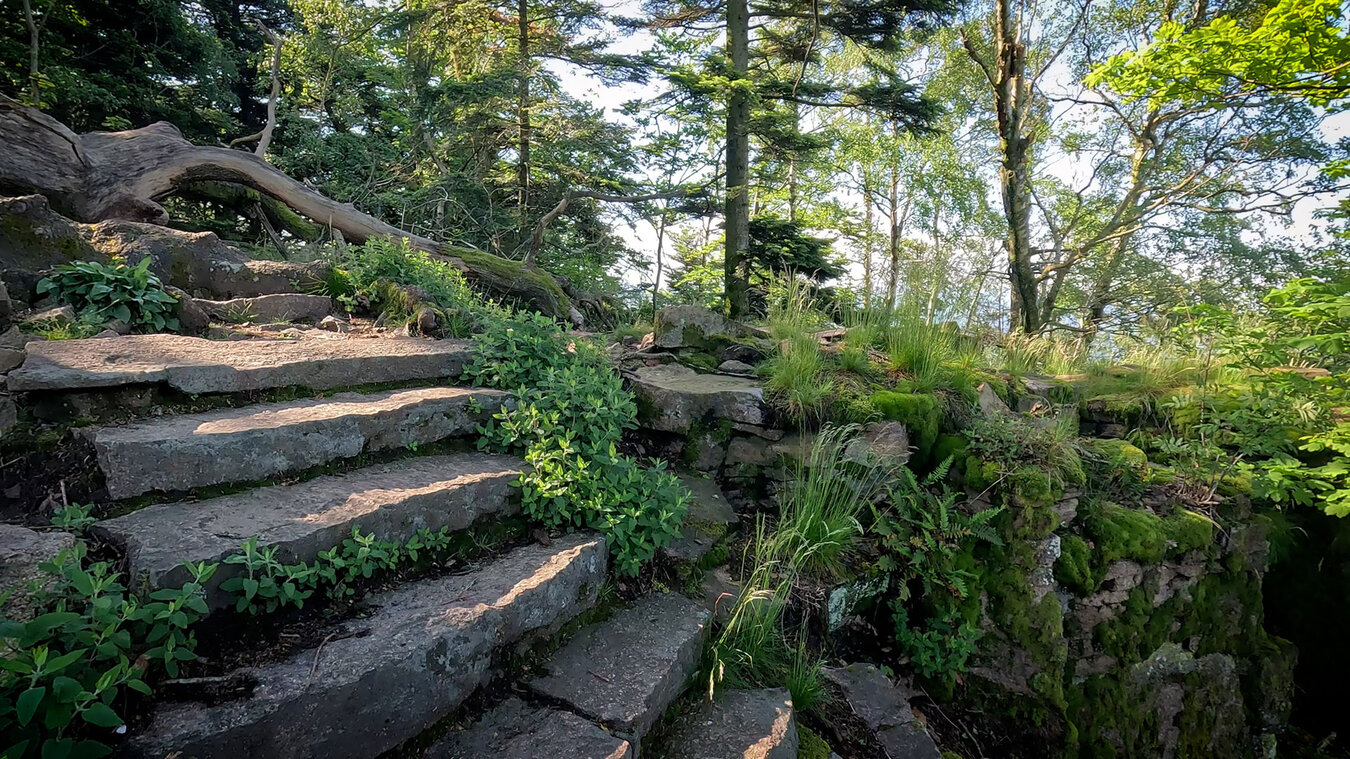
(883, 707)
(690, 327)
(624, 672)
(675, 398)
(198, 366)
(738, 724)
(242, 445)
(299, 521)
(384, 678)
(21, 552)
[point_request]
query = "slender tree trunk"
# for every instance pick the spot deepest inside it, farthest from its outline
(523, 116)
(34, 48)
(660, 245)
(735, 274)
(867, 236)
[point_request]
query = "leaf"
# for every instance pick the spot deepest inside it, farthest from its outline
(101, 715)
(28, 702)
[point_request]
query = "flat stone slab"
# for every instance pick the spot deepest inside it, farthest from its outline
(739, 724)
(21, 552)
(515, 730)
(704, 524)
(679, 398)
(196, 365)
(251, 443)
(625, 671)
(392, 502)
(884, 707)
(285, 307)
(411, 663)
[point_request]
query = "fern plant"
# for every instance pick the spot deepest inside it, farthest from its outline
(928, 539)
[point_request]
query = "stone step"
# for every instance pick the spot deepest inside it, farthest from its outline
(391, 501)
(287, 307)
(883, 707)
(384, 678)
(177, 453)
(625, 671)
(515, 730)
(738, 724)
(705, 524)
(198, 366)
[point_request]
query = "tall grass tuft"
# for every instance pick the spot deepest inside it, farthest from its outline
(799, 382)
(1022, 354)
(819, 511)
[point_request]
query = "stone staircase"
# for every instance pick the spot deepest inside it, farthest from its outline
(297, 475)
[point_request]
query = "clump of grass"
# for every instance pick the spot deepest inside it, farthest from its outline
(792, 311)
(819, 510)
(799, 381)
(1022, 354)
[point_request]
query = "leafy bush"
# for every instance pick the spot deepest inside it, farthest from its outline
(386, 273)
(63, 671)
(570, 412)
(104, 292)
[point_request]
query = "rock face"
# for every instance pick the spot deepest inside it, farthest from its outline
(739, 724)
(881, 444)
(884, 708)
(677, 398)
(687, 327)
(427, 646)
(240, 445)
(625, 671)
(300, 520)
(21, 551)
(704, 524)
(194, 365)
(515, 730)
(287, 307)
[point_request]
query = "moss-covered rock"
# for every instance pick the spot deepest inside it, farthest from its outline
(921, 415)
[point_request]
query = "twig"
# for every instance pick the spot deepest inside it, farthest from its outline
(334, 636)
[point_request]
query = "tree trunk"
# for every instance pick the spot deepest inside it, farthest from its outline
(120, 175)
(867, 235)
(34, 49)
(735, 274)
(523, 119)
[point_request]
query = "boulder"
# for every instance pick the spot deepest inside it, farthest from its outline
(192, 318)
(688, 327)
(739, 724)
(704, 524)
(884, 708)
(21, 552)
(989, 402)
(881, 444)
(10, 358)
(282, 307)
(677, 398)
(735, 367)
(743, 352)
(6, 305)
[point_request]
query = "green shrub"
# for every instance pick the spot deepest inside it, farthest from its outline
(921, 415)
(100, 293)
(66, 671)
(569, 415)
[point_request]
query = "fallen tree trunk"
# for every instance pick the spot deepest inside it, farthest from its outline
(100, 176)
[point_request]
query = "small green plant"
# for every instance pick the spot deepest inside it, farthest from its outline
(799, 382)
(73, 518)
(928, 539)
(266, 584)
(384, 273)
(104, 292)
(65, 671)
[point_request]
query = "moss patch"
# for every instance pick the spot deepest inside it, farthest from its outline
(921, 415)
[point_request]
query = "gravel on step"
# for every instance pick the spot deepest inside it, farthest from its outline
(251, 443)
(625, 671)
(385, 678)
(391, 501)
(515, 730)
(196, 365)
(739, 724)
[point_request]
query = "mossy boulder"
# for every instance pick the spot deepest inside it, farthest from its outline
(921, 414)
(692, 327)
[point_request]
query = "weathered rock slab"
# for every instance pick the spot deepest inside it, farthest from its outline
(21, 552)
(515, 730)
(391, 501)
(704, 524)
(739, 724)
(282, 307)
(884, 708)
(680, 398)
(687, 327)
(251, 443)
(427, 646)
(195, 365)
(625, 671)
